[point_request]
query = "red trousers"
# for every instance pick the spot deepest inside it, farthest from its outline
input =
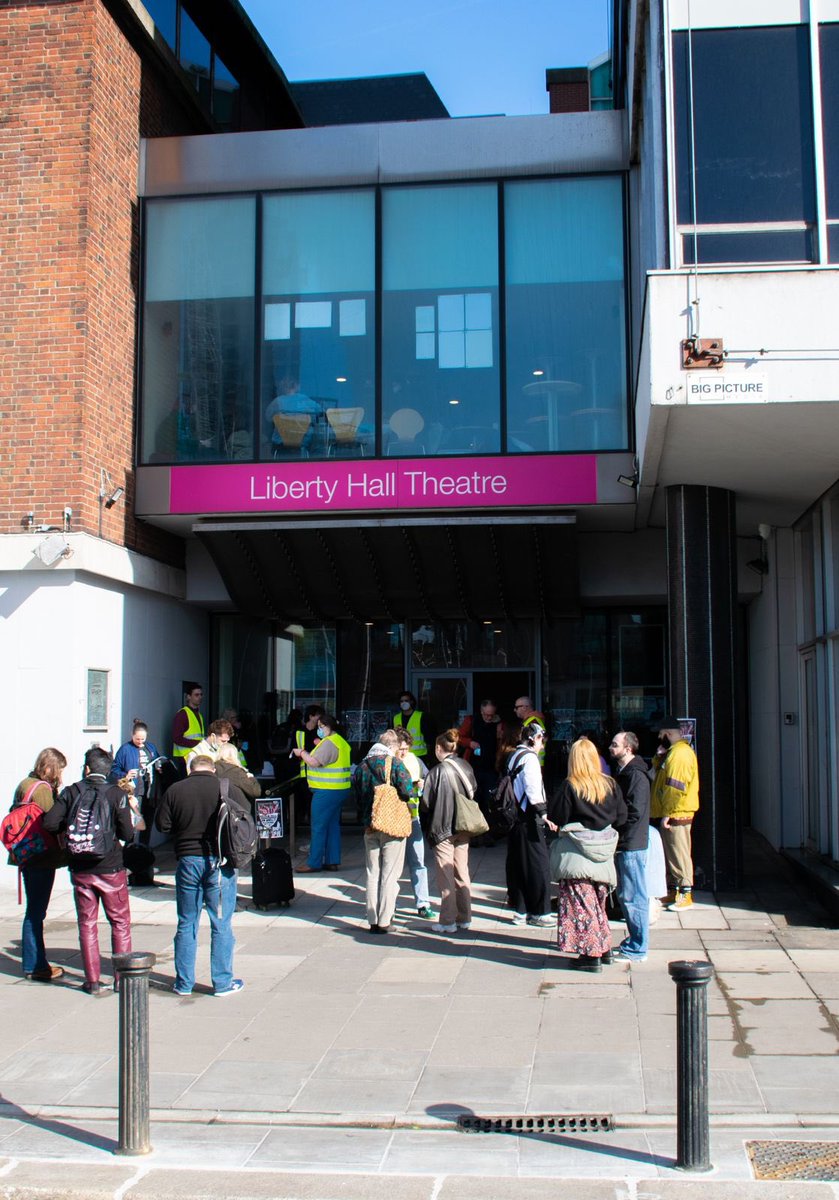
(89, 888)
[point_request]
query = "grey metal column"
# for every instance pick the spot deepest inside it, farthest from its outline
(693, 1142)
(702, 620)
(133, 972)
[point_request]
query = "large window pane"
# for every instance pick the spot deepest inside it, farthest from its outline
(752, 125)
(440, 378)
(566, 353)
(756, 246)
(194, 53)
(198, 330)
(318, 325)
(829, 49)
(164, 15)
(225, 97)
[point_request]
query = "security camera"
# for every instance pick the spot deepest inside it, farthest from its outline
(68, 512)
(115, 495)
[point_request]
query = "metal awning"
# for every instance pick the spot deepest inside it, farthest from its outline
(396, 569)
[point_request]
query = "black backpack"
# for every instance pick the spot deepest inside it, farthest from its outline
(502, 807)
(235, 831)
(90, 823)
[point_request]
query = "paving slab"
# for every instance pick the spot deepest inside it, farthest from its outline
(263, 1185)
(87, 1182)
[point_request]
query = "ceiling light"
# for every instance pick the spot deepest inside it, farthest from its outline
(538, 373)
(454, 402)
(340, 379)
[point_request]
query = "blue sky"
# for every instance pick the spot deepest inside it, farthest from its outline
(483, 56)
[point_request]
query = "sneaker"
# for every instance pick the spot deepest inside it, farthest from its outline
(438, 928)
(620, 955)
(464, 924)
(181, 991)
(519, 918)
(544, 921)
(236, 986)
(426, 913)
(684, 899)
(670, 897)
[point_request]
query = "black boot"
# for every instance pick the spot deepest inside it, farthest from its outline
(586, 962)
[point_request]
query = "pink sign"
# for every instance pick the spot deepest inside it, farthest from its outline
(363, 484)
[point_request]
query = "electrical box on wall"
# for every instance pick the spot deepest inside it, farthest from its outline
(789, 718)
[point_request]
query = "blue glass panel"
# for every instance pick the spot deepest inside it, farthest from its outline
(753, 125)
(164, 13)
(225, 97)
(566, 351)
(440, 376)
(833, 243)
(793, 245)
(198, 315)
(318, 325)
(829, 49)
(194, 55)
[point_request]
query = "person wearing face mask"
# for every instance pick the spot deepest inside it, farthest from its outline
(673, 805)
(418, 725)
(328, 772)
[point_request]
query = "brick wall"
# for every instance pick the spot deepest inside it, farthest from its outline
(75, 96)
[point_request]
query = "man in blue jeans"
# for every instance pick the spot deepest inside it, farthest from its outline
(188, 812)
(633, 779)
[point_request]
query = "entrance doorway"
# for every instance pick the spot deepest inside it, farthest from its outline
(449, 696)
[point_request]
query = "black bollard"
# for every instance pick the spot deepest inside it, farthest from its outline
(693, 1148)
(133, 973)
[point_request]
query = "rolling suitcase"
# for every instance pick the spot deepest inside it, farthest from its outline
(273, 881)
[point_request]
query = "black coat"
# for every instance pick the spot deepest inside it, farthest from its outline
(634, 781)
(565, 807)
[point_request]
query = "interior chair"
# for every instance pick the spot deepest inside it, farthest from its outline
(292, 428)
(405, 424)
(344, 423)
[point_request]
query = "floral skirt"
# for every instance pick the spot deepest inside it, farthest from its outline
(583, 927)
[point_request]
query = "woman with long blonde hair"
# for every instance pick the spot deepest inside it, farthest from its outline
(585, 809)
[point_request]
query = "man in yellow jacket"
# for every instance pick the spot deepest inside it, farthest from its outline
(673, 803)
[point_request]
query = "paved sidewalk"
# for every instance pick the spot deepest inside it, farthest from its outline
(347, 1059)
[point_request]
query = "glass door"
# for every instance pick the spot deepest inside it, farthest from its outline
(445, 696)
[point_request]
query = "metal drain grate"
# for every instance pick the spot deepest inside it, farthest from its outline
(573, 1123)
(795, 1160)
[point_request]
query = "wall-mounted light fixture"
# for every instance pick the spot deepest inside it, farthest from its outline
(630, 481)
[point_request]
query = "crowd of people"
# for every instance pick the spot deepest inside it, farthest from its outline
(607, 828)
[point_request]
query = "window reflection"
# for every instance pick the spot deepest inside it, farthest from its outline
(566, 358)
(198, 331)
(318, 325)
(440, 378)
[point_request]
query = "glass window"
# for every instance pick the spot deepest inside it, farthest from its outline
(833, 243)
(198, 330)
(372, 674)
(318, 325)
(440, 377)
(194, 55)
(566, 334)
(829, 51)
(490, 644)
(225, 97)
(752, 125)
(774, 245)
(164, 15)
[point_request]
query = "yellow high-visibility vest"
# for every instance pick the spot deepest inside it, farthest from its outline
(337, 776)
(414, 727)
(194, 732)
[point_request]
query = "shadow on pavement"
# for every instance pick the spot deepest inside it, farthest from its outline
(61, 1128)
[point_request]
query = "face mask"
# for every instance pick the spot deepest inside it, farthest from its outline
(321, 731)
(664, 740)
(404, 705)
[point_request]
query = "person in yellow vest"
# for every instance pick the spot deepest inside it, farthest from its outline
(527, 714)
(418, 725)
(329, 775)
(187, 726)
(673, 804)
(305, 739)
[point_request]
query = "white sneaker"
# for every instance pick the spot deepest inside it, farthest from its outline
(519, 918)
(464, 924)
(436, 927)
(543, 921)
